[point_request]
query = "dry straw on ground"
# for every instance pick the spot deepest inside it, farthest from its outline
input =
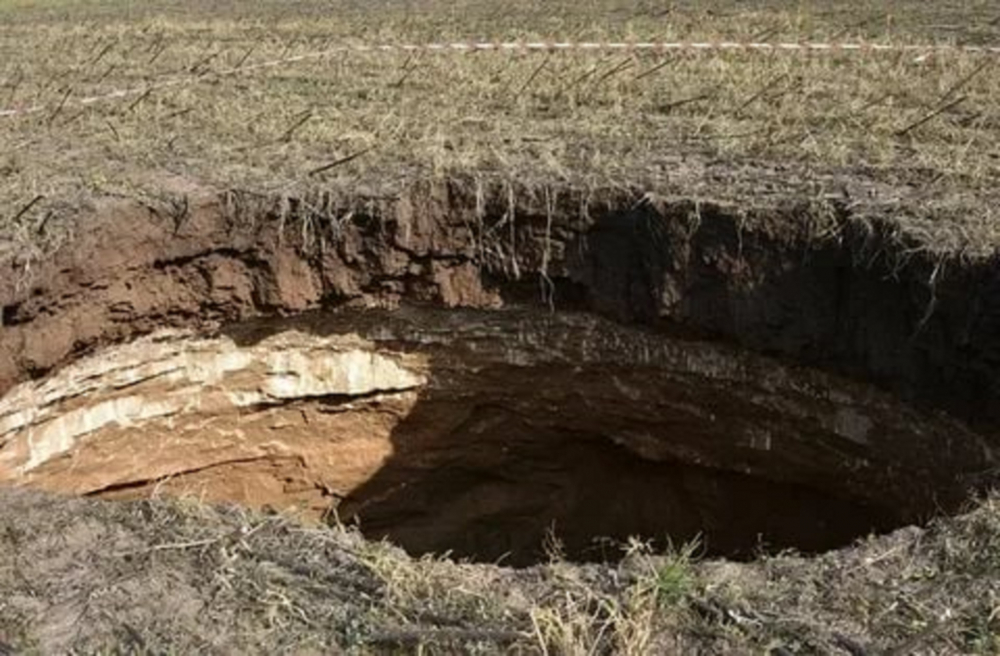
(372, 122)
(177, 577)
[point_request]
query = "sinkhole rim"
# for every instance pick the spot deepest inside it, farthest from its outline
(613, 389)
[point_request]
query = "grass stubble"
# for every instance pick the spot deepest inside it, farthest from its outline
(732, 126)
(177, 576)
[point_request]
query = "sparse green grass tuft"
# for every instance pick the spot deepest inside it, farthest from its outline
(672, 578)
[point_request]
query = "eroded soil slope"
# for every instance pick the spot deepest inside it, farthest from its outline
(812, 283)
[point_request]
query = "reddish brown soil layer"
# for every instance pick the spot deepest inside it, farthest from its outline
(858, 300)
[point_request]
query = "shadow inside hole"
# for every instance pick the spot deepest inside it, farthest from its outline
(492, 483)
(537, 424)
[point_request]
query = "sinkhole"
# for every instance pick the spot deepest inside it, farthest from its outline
(501, 376)
(504, 435)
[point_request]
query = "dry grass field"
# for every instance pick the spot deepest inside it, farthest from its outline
(205, 116)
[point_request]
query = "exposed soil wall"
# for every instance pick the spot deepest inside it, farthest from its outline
(791, 357)
(809, 284)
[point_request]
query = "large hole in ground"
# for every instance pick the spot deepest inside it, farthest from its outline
(660, 370)
(492, 435)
